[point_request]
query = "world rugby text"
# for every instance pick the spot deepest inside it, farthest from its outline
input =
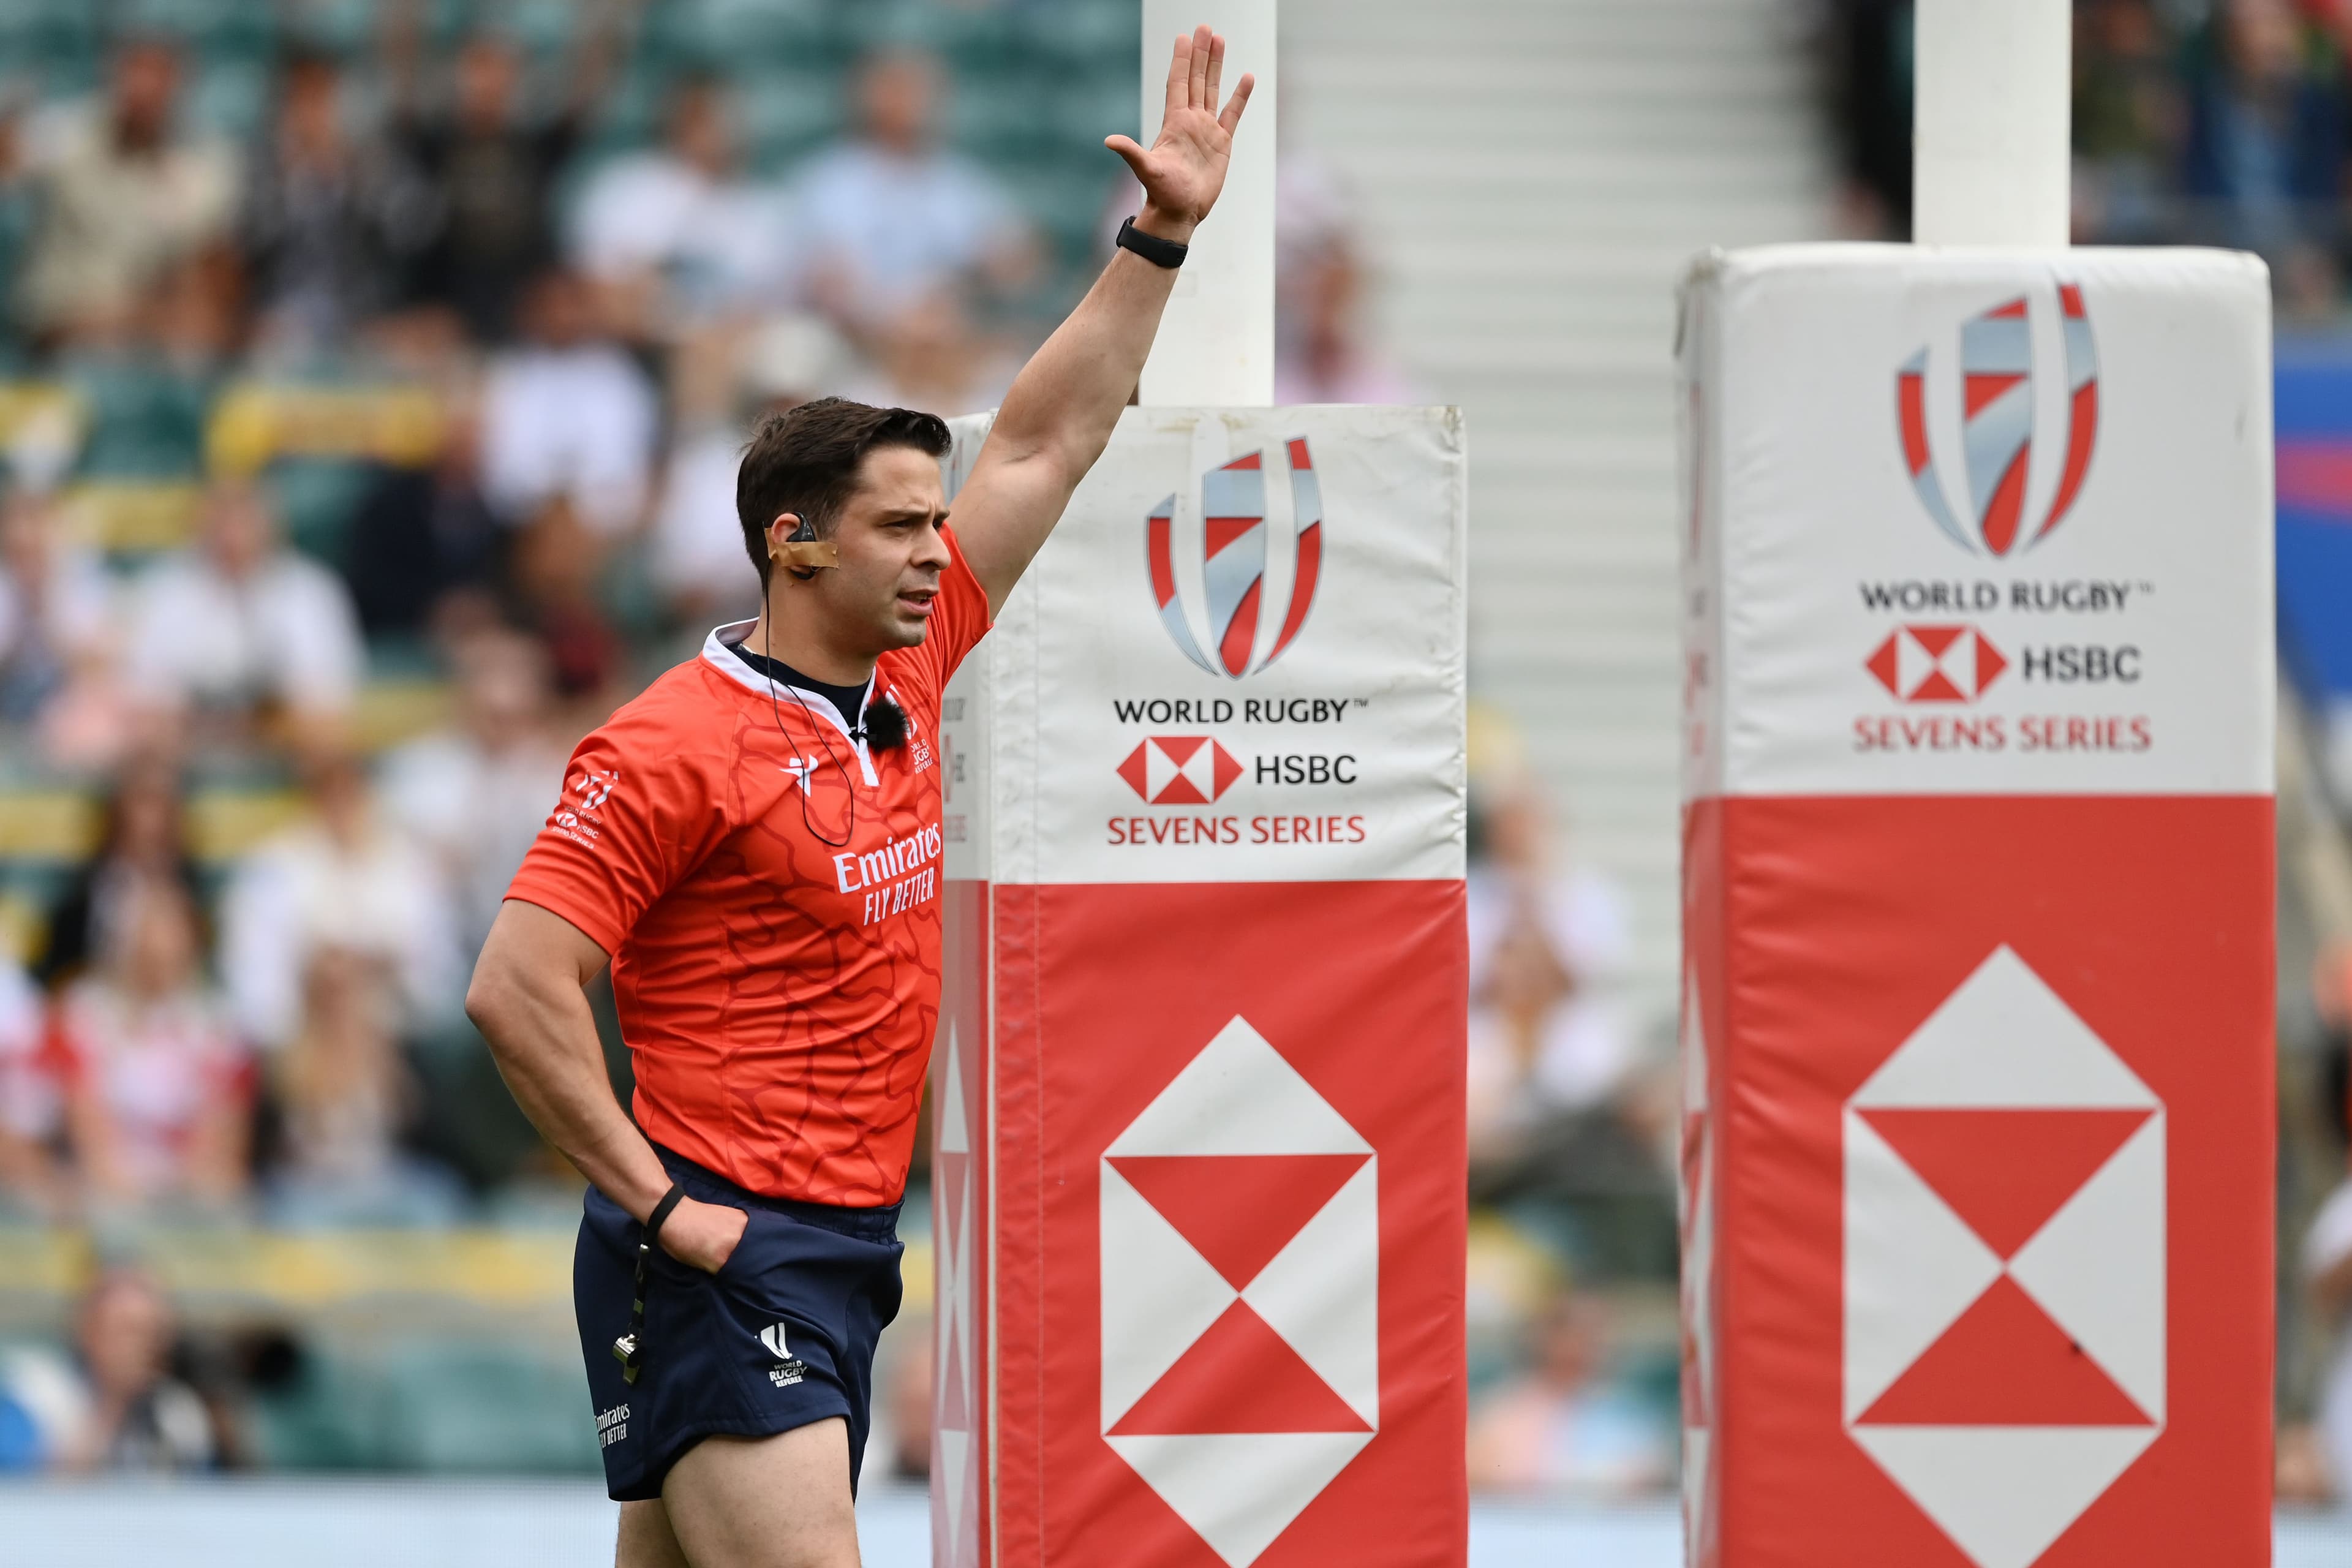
(1225, 709)
(2072, 596)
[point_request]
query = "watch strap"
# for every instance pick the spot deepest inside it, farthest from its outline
(655, 1220)
(1159, 252)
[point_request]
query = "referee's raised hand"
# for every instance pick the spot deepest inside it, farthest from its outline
(1183, 170)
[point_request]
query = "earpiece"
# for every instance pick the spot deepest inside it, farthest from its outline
(802, 553)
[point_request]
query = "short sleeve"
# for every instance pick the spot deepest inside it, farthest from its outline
(636, 815)
(962, 618)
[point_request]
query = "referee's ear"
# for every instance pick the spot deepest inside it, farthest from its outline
(793, 540)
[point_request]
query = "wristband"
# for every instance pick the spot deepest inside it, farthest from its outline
(1159, 252)
(655, 1220)
(629, 1350)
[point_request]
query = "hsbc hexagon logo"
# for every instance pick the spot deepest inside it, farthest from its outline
(1241, 1368)
(1243, 634)
(1936, 664)
(2004, 1273)
(1998, 511)
(1179, 769)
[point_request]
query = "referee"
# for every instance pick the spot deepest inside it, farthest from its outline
(753, 845)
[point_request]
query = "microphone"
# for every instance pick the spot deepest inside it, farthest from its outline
(884, 727)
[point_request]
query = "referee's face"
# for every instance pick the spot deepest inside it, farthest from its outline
(882, 595)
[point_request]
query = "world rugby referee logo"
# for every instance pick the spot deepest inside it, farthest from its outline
(1242, 637)
(789, 1369)
(2001, 510)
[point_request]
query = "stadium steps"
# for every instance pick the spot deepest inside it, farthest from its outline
(1533, 175)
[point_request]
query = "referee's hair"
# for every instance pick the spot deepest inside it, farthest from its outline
(805, 460)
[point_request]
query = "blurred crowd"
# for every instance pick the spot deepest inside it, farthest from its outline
(2315, 1441)
(2196, 121)
(1573, 1123)
(226, 1033)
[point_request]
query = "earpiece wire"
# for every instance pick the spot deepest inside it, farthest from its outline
(808, 769)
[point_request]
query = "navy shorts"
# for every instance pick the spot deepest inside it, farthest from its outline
(782, 1336)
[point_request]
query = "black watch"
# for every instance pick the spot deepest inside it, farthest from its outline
(1152, 248)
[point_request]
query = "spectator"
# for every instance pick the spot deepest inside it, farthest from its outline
(888, 218)
(2129, 121)
(2327, 1251)
(160, 1093)
(421, 533)
(2266, 132)
(477, 792)
(2327, 1272)
(568, 415)
(123, 200)
(721, 386)
(556, 575)
(1549, 1032)
(346, 1097)
(494, 173)
(344, 877)
(329, 220)
(1561, 1425)
(33, 1181)
(929, 357)
(143, 841)
(676, 235)
(53, 606)
(18, 210)
(1869, 70)
(121, 1409)
(1325, 354)
(907, 1398)
(241, 630)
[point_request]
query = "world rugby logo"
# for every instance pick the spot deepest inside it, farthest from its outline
(1242, 638)
(595, 786)
(1998, 427)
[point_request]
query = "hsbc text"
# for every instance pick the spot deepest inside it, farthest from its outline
(1295, 769)
(2067, 664)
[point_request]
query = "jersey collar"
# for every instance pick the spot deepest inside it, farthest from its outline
(721, 657)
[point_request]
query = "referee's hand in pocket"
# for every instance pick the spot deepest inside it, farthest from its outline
(703, 1235)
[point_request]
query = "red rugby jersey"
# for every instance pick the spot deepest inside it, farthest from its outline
(778, 992)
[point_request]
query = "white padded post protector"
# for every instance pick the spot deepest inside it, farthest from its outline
(1199, 1096)
(1977, 1028)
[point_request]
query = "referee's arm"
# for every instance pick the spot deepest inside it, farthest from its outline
(1060, 411)
(527, 1000)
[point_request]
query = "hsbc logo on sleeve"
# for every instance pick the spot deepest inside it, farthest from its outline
(1240, 1288)
(1243, 634)
(1936, 664)
(2004, 1273)
(2006, 502)
(590, 787)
